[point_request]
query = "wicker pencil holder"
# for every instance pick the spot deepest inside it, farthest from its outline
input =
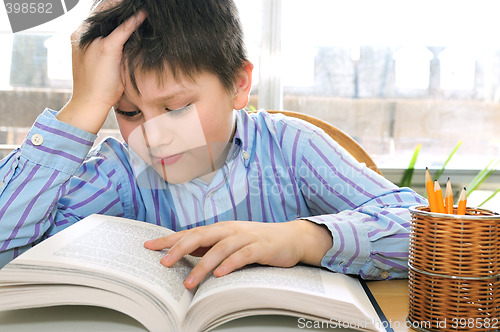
(454, 271)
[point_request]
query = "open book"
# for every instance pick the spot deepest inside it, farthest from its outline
(101, 261)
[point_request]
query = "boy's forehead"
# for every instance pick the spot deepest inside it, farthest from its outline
(156, 93)
(164, 82)
(151, 82)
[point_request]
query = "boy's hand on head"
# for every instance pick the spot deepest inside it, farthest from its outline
(97, 76)
(227, 246)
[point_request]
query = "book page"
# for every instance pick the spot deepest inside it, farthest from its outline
(301, 291)
(300, 277)
(120, 246)
(114, 247)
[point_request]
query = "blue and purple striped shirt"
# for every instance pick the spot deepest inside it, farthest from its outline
(278, 169)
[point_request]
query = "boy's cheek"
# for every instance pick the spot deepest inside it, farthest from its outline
(126, 128)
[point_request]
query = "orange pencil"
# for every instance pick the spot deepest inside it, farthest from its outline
(431, 196)
(448, 200)
(462, 202)
(439, 197)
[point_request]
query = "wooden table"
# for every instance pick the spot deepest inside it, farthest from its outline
(392, 297)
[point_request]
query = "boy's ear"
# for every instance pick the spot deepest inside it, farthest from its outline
(243, 86)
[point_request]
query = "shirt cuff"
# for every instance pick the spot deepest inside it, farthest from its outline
(56, 144)
(351, 246)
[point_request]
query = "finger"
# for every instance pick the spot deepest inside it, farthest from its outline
(123, 32)
(194, 239)
(244, 256)
(165, 242)
(212, 259)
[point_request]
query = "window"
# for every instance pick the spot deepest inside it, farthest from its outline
(392, 74)
(411, 67)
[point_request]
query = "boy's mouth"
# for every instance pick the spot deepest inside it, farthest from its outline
(168, 160)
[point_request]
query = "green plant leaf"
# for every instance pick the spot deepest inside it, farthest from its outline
(438, 174)
(487, 199)
(408, 173)
(482, 176)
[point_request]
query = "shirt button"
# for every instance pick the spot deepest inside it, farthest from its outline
(384, 275)
(37, 139)
(246, 155)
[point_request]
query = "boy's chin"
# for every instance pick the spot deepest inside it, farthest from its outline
(182, 175)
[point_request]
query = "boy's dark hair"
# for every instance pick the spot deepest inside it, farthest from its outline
(189, 36)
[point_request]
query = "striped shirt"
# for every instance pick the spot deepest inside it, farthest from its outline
(278, 169)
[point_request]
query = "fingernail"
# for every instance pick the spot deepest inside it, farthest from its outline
(189, 281)
(165, 260)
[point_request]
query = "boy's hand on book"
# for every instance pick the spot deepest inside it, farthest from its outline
(97, 76)
(227, 246)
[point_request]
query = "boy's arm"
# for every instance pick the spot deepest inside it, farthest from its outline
(33, 178)
(44, 188)
(366, 214)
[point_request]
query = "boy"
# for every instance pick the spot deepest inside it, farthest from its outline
(176, 73)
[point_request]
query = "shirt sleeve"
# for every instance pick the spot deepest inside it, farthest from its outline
(33, 180)
(367, 215)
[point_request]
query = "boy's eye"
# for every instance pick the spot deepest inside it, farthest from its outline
(127, 114)
(178, 111)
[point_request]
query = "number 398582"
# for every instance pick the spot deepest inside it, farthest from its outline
(29, 8)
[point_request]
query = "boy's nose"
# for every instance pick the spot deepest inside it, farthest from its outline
(157, 131)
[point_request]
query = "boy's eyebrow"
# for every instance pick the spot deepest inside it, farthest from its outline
(180, 90)
(170, 96)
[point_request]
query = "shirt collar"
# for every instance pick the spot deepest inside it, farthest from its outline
(245, 136)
